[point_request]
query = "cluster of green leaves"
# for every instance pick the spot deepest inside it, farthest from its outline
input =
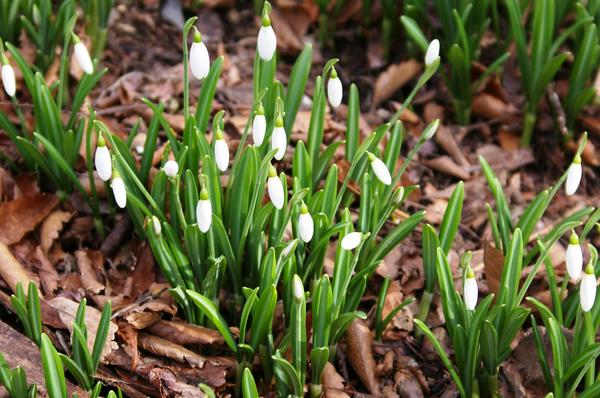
(96, 16)
(482, 338)
(47, 23)
(462, 25)
(245, 252)
(52, 145)
(81, 364)
(540, 64)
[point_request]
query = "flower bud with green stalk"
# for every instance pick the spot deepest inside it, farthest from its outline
(103, 160)
(171, 168)
(334, 89)
(574, 176)
(306, 225)
(574, 257)
(279, 138)
(119, 190)
(259, 125)
(8, 76)
(82, 55)
(470, 290)
(267, 40)
(221, 150)
(199, 58)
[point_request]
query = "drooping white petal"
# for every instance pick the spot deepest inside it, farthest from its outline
(433, 52)
(259, 126)
(199, 60)
(574, 260)
(573, 178)
(103, 162)
(335, 91)
(83, 58)
(275, 189)
(221, 154)
(381, 171)
(204, 215)
(267, 43)
(279, 142)
(470, 293)
(306, 227)
(171, 168)
(8, 80)
(119, 191)
(351, 241)
(587, 291)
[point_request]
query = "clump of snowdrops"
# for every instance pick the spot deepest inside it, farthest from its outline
(234, 235)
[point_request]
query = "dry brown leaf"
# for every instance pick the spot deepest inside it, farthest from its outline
(446, 140)
(130, 337)
(493, 262)
(184, 333)
(47, 273)
(23, 214)
(67, 309)
(360, 354)
(445, 164)
(509, 140)
(11, 270)
(393, 78)
(88, 272)
(333, 383)
(403, 319)
(287, 37)
(490, 107)
(166, 348)
(51, 228)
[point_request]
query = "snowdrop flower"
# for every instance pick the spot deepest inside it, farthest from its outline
(259, 125)
(573, 176)
(380, 169)
(306, 225)
(82, 55)
(204, 211)
(334, 89)
(102, 160)
(279, 138)
(221, 151)
(351, 241)
(119, 191)
(275, 189)
(298, 288)
(587, 289)
(574, 257)
(433, 52)
(470, 290)
(267, 41)
(435, 125)
(8, 77)
(199, 58)
(171, 168)
(156, 225)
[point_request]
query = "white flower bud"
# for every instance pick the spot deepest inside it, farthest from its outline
(334, 89)
(380, 169)
(204, 212)
(8, 78)
(102, 160)
(221, 151)
(573, 176)
(351, 241)
(267, 41)
(199, 58)
(171, 168)
(119, 191)
(587, 289)
(82, 56)
(275, 189)
(306, 225)
(470, 290)
(279, 139)
(156, 225)
(574, 257)
(259, 126)
(298, 288)
(433, 52)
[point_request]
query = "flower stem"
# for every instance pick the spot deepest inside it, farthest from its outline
(528, 125)
(425, 304)
(590, 336)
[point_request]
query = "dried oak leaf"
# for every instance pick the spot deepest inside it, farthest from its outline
(46, 271)
(166, 348)
(333, 383)
(11, 270)
(51, 228)
(493, 262)
(393, 78)
(360, 354)
(88, 272)
(23, 214)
